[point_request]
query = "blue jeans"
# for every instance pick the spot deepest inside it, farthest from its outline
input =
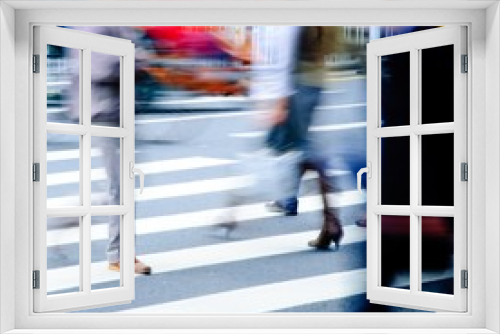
(292, 136)
(110, 150)
(308, 156)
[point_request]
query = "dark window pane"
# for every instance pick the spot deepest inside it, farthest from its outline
(437, 169)
(395, 99)
(395, 164)
(395, 242)
(437, 254)
(437, 85)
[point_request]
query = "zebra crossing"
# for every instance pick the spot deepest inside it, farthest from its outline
(263, 265)
(217, 252)
(279, 293)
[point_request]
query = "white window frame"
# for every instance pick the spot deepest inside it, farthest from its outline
(86, 44)
(483, 101)
(413, 44)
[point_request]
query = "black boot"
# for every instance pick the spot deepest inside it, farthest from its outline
(331, 231)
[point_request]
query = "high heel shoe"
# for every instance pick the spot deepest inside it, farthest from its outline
(331, 231)
(324, 240)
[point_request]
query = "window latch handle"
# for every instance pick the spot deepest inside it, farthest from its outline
(368, 171)
(133, 171)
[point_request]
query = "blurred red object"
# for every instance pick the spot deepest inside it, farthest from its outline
(193, 82)
(183, 41)
(431, 226)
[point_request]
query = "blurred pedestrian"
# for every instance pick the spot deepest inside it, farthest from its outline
(291, 118)
(105, 111)
(269, 51)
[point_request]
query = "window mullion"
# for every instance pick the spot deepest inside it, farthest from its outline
(109, 210)
(415, 251)
(85, 170)
(102, 131)
(72, 211)
(392, 210)
(68, 129)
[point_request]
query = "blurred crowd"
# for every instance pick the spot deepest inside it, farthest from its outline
(280, 69)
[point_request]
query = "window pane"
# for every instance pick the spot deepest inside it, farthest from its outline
(105, 89)
(106, 169)
(437, 169)
(63, 84)
(437, 254)
(437, 85)
(63, 257)
(105, 236)
(395, 99)
(63, 170)
(395, 165)
(395, 243)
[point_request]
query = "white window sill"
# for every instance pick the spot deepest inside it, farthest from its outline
(252, 331)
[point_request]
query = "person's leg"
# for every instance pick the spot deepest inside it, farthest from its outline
(291, 137)
(110, 150)
(303, 105)
(290, 175)
(331, 230)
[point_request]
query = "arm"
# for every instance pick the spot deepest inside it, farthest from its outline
(272, 75)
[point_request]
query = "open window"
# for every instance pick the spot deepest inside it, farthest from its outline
(79, 273)
(417, 155)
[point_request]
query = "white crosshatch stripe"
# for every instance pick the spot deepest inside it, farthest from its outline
(185, 118)
(278, 296)
(342, 106)
(58, 237)
(268, 297)
(318, 128)
(153, 167)
(71, 154)
(172, 190)
(63, 278)
(167, 190)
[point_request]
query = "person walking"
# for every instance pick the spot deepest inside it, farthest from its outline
(105, 111)
(290, 122)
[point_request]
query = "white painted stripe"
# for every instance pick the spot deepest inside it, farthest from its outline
(164, 262)
(209, 217)
(316, 128)
(268, 297)
(58, 83)
(153, 167)
(276, 296)
(191, 188)
(57, 110)
(187, 117)
(71, 154)
(333, 91)
(166, 191)
(352, 78)
(337, 127)
(252, 134)
(202, 100)
(342, 106)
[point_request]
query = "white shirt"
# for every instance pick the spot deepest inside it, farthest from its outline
(273, 61)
